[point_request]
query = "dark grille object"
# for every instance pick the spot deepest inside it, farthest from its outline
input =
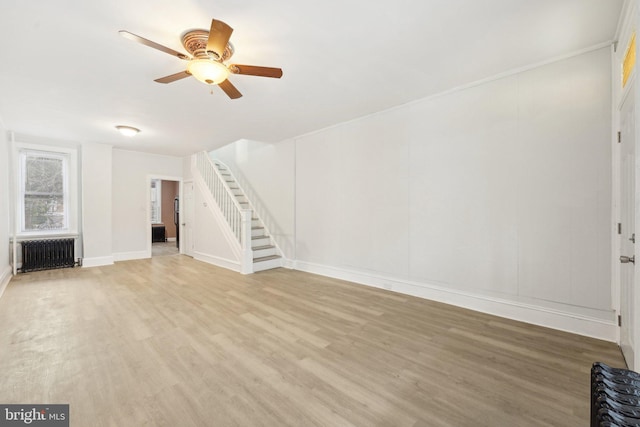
(47, 254)
(615, 397)
(158, 233)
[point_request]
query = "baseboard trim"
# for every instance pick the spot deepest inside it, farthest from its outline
(128, 256)
(97, 261)
(171, 239)
(5, 278)
(538, 315)
(218, 261)
(288, 263)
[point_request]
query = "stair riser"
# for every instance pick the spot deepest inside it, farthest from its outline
(260, 242)
(267, 265)
(257, 232)
(264, 252)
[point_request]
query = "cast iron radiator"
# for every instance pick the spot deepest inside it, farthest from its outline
(615, 396)
(47, 254)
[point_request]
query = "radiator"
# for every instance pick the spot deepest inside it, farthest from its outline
(47, 254)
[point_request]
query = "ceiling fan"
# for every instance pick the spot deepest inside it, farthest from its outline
(209, 50)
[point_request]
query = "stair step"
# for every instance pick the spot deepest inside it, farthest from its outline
(260, 241)
(266, 258)
(263, 251)
(259, 248)
(267, 263)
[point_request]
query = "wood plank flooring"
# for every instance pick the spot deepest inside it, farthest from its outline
(170, 341)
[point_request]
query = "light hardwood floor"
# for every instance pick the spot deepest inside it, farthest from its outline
(171, 341)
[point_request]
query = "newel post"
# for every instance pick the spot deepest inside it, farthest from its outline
(247, 252)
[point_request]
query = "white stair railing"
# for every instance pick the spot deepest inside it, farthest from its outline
(238, 219)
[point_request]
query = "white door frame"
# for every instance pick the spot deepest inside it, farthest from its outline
(636, 304)
(184, 208)
(627, 159)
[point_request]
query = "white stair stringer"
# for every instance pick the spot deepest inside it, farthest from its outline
(266, 253)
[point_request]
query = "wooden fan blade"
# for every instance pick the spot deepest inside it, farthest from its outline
(173, 77)
(154, 45)
(253, 70)
(230, 89)
(219, 36)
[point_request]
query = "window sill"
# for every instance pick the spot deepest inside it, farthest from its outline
(44, 236)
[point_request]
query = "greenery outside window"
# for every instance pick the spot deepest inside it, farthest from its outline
(44, 188)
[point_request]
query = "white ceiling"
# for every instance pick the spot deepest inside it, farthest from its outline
(66, 74)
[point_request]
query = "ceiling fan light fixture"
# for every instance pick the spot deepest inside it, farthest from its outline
(208, 71)
(128, 130)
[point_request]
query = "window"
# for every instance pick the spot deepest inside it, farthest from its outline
(44, 191)
(156, 201)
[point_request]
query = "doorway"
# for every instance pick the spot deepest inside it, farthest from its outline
(164, 210)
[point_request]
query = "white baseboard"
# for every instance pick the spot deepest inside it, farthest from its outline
(171, 239)
(218, 261)
(555, 318)
(288, 263)
(5, 277)
(127, 256)
(97, 261)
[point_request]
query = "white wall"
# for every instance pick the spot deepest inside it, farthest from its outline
(130, 199)
(5, 267)
(494, 197)
(96, 204)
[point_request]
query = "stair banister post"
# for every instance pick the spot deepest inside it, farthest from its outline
(247, 252)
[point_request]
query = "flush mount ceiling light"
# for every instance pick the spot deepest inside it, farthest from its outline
(128, 130)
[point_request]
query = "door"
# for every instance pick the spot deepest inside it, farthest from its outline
(187, 218)
(627, 234)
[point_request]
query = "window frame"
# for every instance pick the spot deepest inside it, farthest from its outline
(70, 188)
(158, 202)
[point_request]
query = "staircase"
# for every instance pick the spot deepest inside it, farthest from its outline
(246, 233)
(265, 254)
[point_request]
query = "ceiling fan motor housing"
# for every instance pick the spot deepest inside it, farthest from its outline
(195, 42)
